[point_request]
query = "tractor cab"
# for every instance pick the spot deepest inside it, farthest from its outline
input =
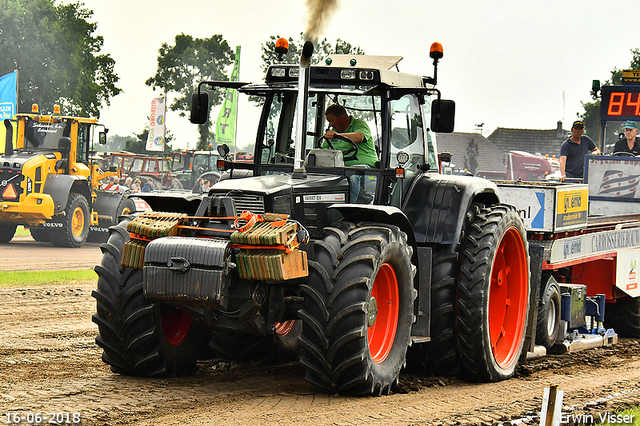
(401, 110)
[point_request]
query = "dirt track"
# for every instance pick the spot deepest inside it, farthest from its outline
(24, 254)
(49, 363)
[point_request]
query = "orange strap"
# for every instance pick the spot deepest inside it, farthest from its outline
(250, 218)
(288, 248)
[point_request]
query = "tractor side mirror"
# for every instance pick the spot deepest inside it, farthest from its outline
(102, 138)
(443, 114)
(199, 108)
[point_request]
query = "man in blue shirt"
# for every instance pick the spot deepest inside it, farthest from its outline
(573, 151)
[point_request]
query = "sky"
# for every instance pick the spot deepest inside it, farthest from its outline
(511, 64)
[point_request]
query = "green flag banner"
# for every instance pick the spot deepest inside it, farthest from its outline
(226, 123)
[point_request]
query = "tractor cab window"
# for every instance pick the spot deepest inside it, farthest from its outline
(151, 166)
(407, 132)
(136, 166)
(432, 156)
(45, 134)
(84, 141)
(278, 145)
(407, 141)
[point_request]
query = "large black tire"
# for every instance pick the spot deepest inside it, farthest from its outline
(126, 206)
(7, 232)
(548, 324)
(40, 234)
(493, 295)
(358, 309)
(282, 347)
(75, 223)
(624, 317)
(176, 184)
(439, 356)
(140, 337)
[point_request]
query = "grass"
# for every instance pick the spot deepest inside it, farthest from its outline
(20, 231)
(635, 420)
(10, 279)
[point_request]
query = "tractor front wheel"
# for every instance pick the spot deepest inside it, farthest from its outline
(7, 232)
(75, 223)
(358, 309)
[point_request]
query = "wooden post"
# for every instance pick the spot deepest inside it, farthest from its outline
(551, 406)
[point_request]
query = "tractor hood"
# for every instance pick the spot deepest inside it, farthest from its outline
(22, 173)
(16, 161)
(273, 184)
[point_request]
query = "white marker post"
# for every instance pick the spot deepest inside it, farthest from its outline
(551, 406)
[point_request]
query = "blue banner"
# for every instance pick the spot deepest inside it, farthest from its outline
(8, 95)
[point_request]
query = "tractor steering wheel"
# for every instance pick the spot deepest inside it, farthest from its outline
(624, 154)
(348, 155)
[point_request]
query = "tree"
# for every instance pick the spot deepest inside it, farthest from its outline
(57, 57)
(321, 50)
(591, 114)
(183, 66)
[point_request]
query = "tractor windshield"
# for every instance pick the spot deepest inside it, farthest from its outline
(45, 135)
(280, 132)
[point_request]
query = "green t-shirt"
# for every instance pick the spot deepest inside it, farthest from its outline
(366, 150)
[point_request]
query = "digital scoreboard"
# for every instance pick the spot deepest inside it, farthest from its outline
(620, 103)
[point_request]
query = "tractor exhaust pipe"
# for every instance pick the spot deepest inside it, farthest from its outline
(8, 143)
(301, 117)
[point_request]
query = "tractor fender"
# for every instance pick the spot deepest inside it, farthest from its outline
(107, 203)
(372, 213)
(60, 186)
(171, 202)
(436, 205)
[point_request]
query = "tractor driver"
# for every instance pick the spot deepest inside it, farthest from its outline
(358, 131)
(355, 129)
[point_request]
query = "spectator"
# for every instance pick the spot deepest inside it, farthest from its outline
(573, 151)
(112, 184)
(631, 142)
(128, 182)
(136, 185)
(197, 188)
(148, 186)
(205, 186)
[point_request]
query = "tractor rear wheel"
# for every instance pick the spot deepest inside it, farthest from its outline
(140, 337)
(439, 356)
(40, 234)
(493, 295)
(548, 325)
(75, 223)
(358, 309)
(624, 317)
(7, 232)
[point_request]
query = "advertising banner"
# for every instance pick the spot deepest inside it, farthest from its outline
(226, 123)
(8, 95)
(155, 141)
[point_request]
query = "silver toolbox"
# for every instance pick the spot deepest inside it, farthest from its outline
(190, 270)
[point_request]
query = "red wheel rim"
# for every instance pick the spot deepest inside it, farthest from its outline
(508, 293)
(384, 306)
(283, 328)
(176, 326)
